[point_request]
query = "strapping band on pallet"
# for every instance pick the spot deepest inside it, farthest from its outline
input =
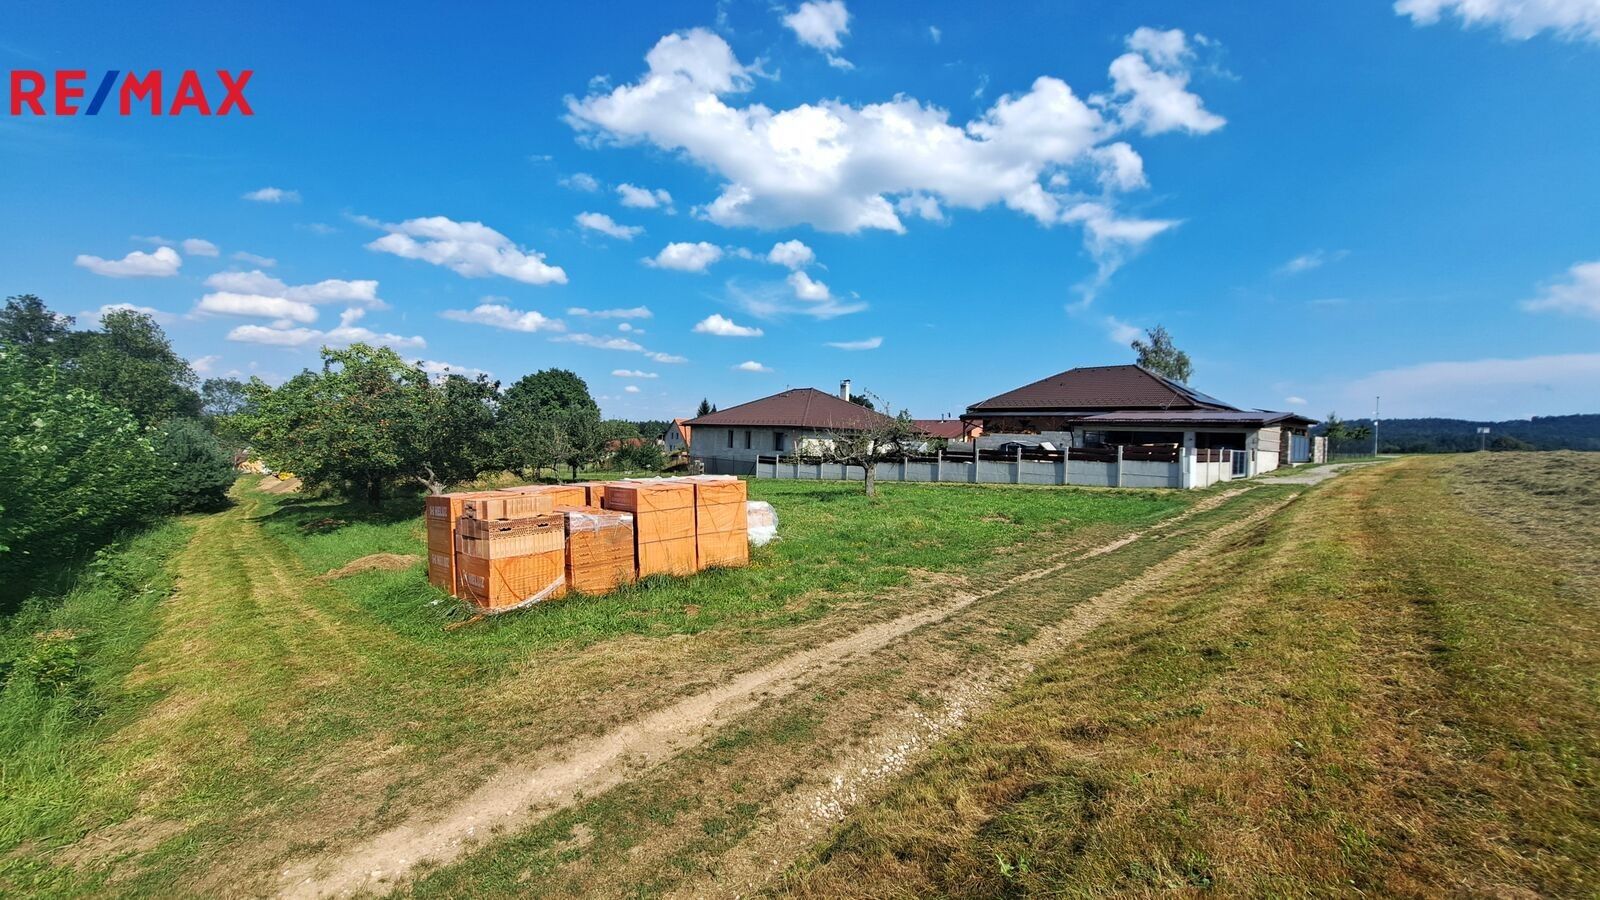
(560, 582)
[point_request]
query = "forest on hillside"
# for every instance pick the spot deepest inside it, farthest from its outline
(1575, 432)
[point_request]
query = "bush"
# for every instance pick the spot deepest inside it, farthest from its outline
(199, 471)
(646, 456)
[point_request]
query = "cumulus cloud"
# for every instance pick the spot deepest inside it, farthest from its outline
(808, 289)
(722, 326)
(686, 257)
(593, 221)
(1578, 295)
(1150, 86)
(631, 389)
(581, 181)
(273, 195)
(1295, 401)
(363, 292)
(95, 316)
(751, 365)
(845, 168)
(1121, 332)
(471, 249)
(775, 300)
(602, 343)
(871, 343)
(199, 247)
(643, 198)
(347, 332)
(438, 370)
(205, 364)
(497, 314)
(228, 303)
(668, 358)
(822, 24)
(633, 373)
(1112, 241)
(634, 312)
(163, 262)
(1517, 19)
(791, 254)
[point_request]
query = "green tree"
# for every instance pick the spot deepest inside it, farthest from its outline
(73, 467)
(883, 438)
(130, 363)
(28, 327)
(1161, 356)
(358, 424)
(639, 457)
(458, 438)
(199, 470)
(862, 400)
(706, 407)
(548, 419)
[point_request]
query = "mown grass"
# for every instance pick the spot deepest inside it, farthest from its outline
(63, 662)
(1385, 697)
(835, 546)
(278, 712)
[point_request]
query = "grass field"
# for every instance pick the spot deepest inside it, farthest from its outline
(1385, 684)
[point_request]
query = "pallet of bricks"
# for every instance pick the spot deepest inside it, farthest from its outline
(600, 542)
(508, 548)
(721, 525)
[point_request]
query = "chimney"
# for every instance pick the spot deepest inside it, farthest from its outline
(844, 390)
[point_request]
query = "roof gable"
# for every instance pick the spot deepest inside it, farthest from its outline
(1091, 388)
(795, 408)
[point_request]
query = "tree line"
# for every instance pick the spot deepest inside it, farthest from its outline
(102, 428)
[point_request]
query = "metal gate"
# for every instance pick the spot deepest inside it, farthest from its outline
(1240, 467)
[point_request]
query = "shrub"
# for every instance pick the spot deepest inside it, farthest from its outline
(199, 471)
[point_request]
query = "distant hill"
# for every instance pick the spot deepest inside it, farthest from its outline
(1580, 432)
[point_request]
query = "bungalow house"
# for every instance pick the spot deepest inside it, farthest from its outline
(952, 430)
(1104, 406)
(677, 437)
(799, 420)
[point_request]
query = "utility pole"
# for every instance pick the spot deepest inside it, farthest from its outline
(1375, 402)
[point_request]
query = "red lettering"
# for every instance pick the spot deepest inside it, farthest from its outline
(190, 94)
(30, 94)
(148, 88)
(235, 92)
(66, 91)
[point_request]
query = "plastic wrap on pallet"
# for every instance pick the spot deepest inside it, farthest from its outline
(559, 584)
(594, 520)
(763, 522)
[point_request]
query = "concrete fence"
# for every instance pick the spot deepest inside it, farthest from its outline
(1187, 472)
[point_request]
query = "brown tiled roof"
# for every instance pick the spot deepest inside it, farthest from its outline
(1197, 417)
(941, 428)
(1093, 388)
(794, 408)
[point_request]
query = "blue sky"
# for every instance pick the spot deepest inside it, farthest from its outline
(1322, 202)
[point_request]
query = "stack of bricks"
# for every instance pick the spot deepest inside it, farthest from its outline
(441, 513)
(599, 549)
(721, 529)
(510, 550)
(663, 523)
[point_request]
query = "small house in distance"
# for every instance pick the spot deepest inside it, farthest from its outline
(1108, 406)
(677, 437)
(799, 420)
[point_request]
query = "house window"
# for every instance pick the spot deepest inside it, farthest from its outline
(747, 439)
(730, 438)
(777, 441)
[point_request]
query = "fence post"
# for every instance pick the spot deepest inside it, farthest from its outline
(977, 460)
(1185, 468)
(1061, 477)
(938, 466)
(1066, 465)
(1016, 476)
(1119, 465)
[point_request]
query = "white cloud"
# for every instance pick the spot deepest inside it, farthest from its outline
(808, 289)
(773, 300)
(722, 326)
(821, 24)
(347, 332)
(666, 358)
(199, 247)
(839, 167)
(499, 315)
(1316, 259)
(1481, 389)
(935, 33)
(1516, 19)
(1150, 84)
(1121, 332)
(471, 249)
(636, 312)
(686, 257)
(439, 370)
(643, 198)
(164, 262)
(205, 364)
(871, 343)
(228, 303)
(631, 389)
(1295, 401)
(751, 365)
(601, 343)
(1579, 295)
(265, 262)
(633, 373)
(581, 181)
(1112, 241)
(331, 290)
(791, 254)
(604, 224)
(629, 326)
(273, 195)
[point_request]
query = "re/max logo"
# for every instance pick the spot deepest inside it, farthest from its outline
(28, 90)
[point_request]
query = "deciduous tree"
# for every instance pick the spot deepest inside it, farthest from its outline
(1160, 355)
